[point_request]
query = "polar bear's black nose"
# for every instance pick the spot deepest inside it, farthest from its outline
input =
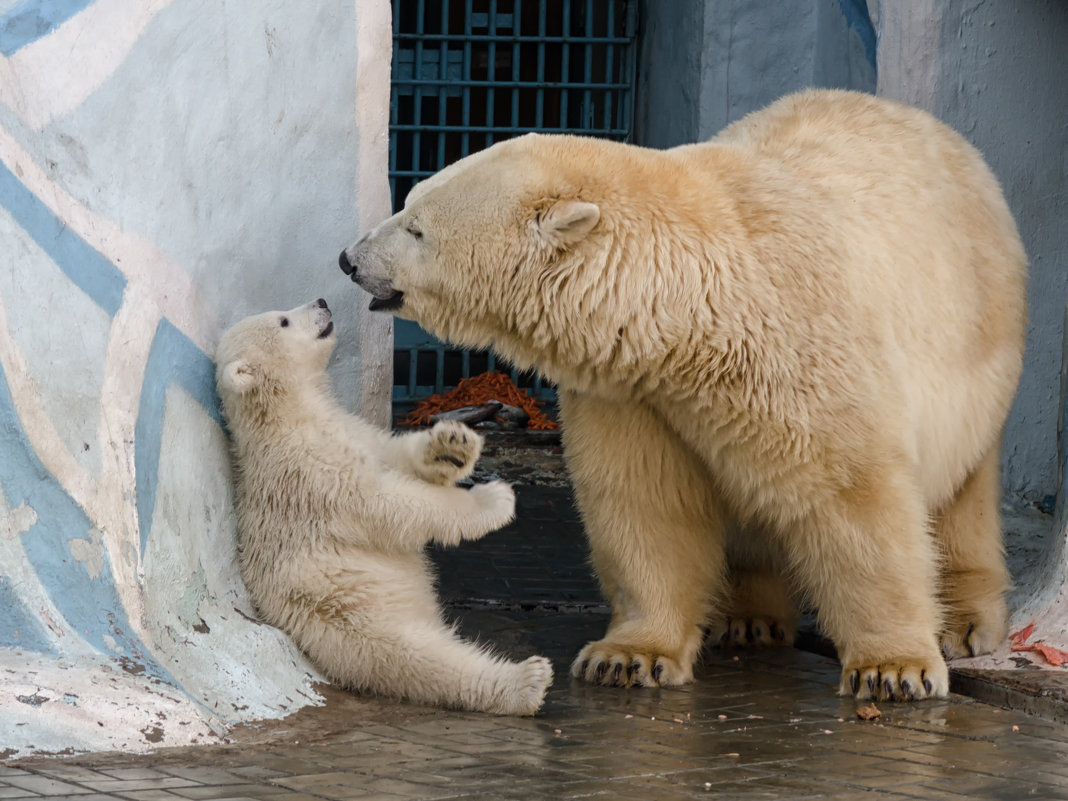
(321, 304)
(346, 266)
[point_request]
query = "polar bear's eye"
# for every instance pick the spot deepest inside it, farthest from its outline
(284, 322)
(414, 231)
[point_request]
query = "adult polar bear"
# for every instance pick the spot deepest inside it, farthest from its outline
(796, 343)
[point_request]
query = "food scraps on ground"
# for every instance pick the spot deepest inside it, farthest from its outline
(869, 712)
(478, 392)
(1018, 642)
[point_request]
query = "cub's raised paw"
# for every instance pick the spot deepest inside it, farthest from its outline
(896, 680)
(451, 452)
(620, 665)
(495, 502)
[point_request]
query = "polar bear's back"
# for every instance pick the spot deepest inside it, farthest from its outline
(927, 259)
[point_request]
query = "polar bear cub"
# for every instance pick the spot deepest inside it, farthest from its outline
(333, 516)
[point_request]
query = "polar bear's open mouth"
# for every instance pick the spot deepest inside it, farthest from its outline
(394, 301)
(327, 331)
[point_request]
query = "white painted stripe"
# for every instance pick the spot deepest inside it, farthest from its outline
(56, 73)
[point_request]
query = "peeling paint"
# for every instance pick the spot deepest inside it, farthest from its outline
(14, 522)
(89, 551)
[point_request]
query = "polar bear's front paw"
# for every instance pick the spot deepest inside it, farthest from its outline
(451, 452)
(495, 502)
(907, 679)
(620, 665)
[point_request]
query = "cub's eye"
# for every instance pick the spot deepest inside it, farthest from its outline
(284, 322)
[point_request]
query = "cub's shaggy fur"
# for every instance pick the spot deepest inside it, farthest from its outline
(333, 515)
(785, 357)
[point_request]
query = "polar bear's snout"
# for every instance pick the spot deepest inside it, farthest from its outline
(386, 297)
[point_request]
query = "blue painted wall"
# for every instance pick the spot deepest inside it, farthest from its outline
(166, 168)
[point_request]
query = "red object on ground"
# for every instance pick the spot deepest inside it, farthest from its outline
(1018, 642)
(1022, 636)
(475, 391)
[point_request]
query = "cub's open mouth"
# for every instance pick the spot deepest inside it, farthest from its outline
(393, 302)
(327, 331)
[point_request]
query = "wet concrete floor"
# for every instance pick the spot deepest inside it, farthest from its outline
(754, 724)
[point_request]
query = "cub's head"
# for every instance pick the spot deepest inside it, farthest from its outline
(480, 249)
(270, 354)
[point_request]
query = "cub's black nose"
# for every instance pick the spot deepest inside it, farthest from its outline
(321, 304)
(343, 262)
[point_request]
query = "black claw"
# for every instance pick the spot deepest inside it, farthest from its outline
(854, 682)
(632, 668)
(780, 634)
(928, 686)
(906, 689)
(585, 667)
(617, 672)
(658, 671)
(888, 688)
(871, 684)
(602, 668)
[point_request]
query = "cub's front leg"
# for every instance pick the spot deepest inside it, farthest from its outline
(404, 513)
(443, 455)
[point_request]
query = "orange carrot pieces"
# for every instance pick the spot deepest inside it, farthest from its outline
(475, 391)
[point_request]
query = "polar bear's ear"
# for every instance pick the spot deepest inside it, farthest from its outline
(239, 376)
(566, 222)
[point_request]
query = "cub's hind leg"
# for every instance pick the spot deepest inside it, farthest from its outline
(429, 664)
(974, 575)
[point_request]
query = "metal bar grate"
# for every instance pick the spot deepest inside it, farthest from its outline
(468, 73)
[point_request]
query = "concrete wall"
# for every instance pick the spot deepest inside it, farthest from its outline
(166, 167)
(704, 65)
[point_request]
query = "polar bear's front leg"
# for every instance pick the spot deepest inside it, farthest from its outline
(868, 563)
(656, 538)
(443, 455)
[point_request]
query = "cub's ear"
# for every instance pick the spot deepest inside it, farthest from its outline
(566, 222)
(238, 376)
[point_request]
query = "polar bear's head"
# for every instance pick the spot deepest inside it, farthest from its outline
(271, 353)
(482, 248)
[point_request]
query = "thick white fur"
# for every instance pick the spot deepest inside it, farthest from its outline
(333, 517)
(790, 350)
